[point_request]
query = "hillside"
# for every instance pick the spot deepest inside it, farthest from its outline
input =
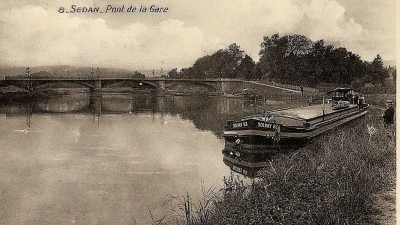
(67, 71)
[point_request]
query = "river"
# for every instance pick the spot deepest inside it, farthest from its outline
(109, 159)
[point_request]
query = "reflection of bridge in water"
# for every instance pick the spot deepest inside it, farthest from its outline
(207, 113)
(97, 84)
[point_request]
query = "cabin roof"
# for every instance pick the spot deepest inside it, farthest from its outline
(340, 90)
(308, 112)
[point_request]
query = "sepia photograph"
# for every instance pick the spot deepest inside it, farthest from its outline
(191, 112)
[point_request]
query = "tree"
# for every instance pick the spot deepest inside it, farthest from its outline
(377, 70)
(296, 59)
(316, 67)
(235, 53)
(173, 73)
(246, 68)
(292, 59)
(136, 74)
(224, 63)
(283, 58)
(298, 45)
(271, 57)
(41, 74)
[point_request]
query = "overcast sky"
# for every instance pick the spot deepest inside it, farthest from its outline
(33, 33)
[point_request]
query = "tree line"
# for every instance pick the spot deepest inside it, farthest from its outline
(291, 59)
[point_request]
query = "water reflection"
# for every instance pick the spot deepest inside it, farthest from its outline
(126, 103)
(245, 161)
(107, 159)
(86, 159)
(248, 164)
(68, 103)
(246, 167)
(207, 113)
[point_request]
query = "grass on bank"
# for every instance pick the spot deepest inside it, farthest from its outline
(330, 181)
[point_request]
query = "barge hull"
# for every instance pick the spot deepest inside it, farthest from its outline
(259, 141)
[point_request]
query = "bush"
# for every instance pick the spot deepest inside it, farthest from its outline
(329, 181)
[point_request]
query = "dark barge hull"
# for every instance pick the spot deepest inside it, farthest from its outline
(244, 167)
(259, 136)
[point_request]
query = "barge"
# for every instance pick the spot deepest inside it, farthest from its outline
(247, 165)
(291, 127)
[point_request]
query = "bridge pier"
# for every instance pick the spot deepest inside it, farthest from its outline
(226, 85)
(161, 90)
(95, 103)
(29, 85)
(97, 87)
(161, 85)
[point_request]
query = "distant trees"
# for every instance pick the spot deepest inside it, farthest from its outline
(296, 59)
(136, 74)
(292, 59)
(225, 63)
(173, 73)
(42, 74)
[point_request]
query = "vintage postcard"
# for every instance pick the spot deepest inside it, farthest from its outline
(197, 112)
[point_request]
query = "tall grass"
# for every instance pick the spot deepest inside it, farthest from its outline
(330, 181)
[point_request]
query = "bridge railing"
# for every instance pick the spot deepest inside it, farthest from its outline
(289, 86)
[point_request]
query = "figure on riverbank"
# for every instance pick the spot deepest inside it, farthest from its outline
(361, 102)
(388, 116)
(355, 99)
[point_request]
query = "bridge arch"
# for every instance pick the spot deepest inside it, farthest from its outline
(39, 84)
(159, 84)
(23, 85)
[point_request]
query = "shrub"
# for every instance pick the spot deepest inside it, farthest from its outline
(329, 181)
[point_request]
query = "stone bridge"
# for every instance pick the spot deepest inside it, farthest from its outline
(96, 84)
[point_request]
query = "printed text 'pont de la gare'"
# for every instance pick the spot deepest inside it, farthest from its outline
(114, 9)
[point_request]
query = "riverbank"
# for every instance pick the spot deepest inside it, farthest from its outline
(340, 178)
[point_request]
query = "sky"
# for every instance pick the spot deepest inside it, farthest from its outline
(34, 33)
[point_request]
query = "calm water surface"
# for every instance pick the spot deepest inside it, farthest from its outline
(109, 160)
